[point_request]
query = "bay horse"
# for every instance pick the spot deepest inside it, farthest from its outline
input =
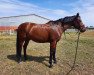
(45, 33)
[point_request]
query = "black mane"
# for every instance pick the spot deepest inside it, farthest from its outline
(68, 19)
(53, 22)
(62, 20)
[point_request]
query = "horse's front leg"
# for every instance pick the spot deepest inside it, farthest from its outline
(52, 52)
(54, 55)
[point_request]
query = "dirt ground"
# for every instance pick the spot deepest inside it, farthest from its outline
(38, 56)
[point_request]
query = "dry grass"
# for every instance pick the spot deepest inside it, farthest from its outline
(38, 56)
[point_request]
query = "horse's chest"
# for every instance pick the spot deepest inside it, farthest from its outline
(56, 34)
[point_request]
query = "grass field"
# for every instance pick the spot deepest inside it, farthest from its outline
(38, 56)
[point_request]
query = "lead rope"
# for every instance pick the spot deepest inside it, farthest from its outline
(75, 54)
(65, 34)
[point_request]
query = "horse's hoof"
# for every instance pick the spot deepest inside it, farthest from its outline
(25, 59)
(55, 62)
(19, 61)
(50, 66)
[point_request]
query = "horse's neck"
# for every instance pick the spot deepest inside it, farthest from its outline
(65, 27)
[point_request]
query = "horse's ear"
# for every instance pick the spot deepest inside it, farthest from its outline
(77, 15)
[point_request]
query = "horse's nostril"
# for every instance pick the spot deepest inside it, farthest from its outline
(83, 30)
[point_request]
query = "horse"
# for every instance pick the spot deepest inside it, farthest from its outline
(49, 32)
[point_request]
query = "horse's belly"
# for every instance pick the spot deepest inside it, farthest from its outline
(40, 35)
(39, 40)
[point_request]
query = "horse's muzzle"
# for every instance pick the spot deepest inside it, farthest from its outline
(83, 29)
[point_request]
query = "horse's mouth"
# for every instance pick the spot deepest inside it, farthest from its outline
(83, 30)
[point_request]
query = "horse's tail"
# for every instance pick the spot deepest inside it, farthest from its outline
(17, 44)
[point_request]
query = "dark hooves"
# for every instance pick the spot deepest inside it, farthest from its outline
(55, 62)
(25, 59)
(19, 61)
(50, 66)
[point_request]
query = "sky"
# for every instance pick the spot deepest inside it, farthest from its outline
(51, 9)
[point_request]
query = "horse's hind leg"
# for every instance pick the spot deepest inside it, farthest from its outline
(19, 43)
(19, 51)
(25, 47)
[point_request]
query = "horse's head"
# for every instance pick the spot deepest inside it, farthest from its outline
(74, 21)
(78, 24)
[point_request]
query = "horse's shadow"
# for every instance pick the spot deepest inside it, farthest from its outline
(39, 59)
